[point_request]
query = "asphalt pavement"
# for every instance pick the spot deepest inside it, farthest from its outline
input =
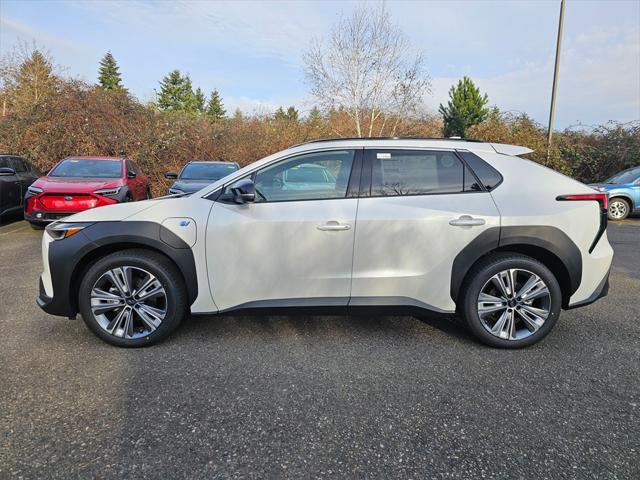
(311, 397)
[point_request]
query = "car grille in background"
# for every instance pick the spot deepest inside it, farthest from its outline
(68, 202)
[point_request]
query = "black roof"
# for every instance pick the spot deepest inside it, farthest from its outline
(448, 139)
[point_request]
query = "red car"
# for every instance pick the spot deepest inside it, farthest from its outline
(79, 183)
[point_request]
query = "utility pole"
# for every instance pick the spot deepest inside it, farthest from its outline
(555, 77)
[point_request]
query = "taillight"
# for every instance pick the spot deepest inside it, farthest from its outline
(601, 198)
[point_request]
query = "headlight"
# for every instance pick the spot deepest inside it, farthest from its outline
(175, 191)
(60, 230)
(35, 190)
(108, 192)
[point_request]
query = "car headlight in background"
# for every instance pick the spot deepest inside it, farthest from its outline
(108, 192)
(60, 230)
(175, 191)
(34, 190)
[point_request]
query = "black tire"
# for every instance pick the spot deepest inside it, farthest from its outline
(149, 196)
(482, 272)
(619, 208)
(37, 226)
(128, 197)
(158, 265)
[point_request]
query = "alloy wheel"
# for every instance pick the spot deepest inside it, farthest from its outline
(617, 209)
(128, 302)
(514, 304)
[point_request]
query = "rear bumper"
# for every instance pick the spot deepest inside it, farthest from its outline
(600, 292)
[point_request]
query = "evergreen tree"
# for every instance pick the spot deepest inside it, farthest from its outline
(315, 117)
(292, 114)
(176, 93)
(466, 107)
(215, 108)
(199, 100)
(109, 74)
(279, 114)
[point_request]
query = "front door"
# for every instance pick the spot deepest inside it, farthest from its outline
(294, 245)
(422, 208)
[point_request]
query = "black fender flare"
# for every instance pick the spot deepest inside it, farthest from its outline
(548, 238)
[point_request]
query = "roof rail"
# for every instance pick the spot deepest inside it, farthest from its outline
(448, 139)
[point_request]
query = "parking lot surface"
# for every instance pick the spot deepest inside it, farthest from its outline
(292, 397)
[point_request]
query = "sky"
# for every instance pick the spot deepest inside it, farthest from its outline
(252, 51)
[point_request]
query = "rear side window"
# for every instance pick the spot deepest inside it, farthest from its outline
(417, 172)
(488, 175)
(4, 162)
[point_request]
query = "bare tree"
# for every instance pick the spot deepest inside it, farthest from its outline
(366, 69)
(27, 76)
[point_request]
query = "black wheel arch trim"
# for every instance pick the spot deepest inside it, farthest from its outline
(548, 238)
(70, 257)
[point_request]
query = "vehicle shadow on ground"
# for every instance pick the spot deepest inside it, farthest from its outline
(10, 218)
(323, 327)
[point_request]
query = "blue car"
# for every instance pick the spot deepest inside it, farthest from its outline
(624, 193)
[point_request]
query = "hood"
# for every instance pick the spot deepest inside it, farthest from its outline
(606, 187)
(76, 185)
(113, 213)
(190, 186)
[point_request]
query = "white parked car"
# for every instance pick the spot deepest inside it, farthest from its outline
(407, 226)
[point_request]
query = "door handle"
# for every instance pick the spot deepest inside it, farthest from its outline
(466, 221)
(333, 226)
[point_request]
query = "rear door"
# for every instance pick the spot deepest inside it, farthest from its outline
(24, 174)
(418, 209)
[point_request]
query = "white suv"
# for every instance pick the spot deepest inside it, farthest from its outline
(395, 226)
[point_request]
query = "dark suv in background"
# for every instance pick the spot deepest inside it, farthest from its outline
(16, 175)
(197, 174)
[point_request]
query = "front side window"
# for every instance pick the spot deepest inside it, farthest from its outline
(312, 176)
(88, 168)
(416, 172)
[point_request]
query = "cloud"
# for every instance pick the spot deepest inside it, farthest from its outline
(599, 80)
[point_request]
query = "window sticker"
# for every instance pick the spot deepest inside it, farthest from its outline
(383, 156)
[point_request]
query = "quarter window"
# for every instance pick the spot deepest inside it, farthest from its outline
(488, 175)
(312, 176)
(417, 172)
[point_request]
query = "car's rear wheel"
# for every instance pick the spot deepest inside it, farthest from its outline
(132, 298)
(619, 209)
(511, 300)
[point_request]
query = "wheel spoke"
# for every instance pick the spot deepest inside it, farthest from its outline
(498, 281)
(151, 316)
(153, 290)
(489, 304)
(119, 279)
(102, 301)
(532, 317)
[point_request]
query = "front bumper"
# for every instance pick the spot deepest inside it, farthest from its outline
(53, 305)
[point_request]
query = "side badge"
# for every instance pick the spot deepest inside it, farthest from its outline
(184, 223)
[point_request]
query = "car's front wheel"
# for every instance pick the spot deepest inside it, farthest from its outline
(511, 300)
(618, 209)
(132, 298)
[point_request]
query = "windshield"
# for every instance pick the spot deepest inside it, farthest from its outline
(207, 171)
(88, 168)
(625, 177)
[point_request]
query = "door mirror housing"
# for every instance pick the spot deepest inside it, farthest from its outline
(7, 172)
(243, 191)
(131, 174)
(171, 175)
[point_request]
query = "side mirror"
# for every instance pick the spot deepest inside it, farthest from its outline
(243, 191)
(637, 183)
(171, 175)
(7, 172)
(131, 174)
